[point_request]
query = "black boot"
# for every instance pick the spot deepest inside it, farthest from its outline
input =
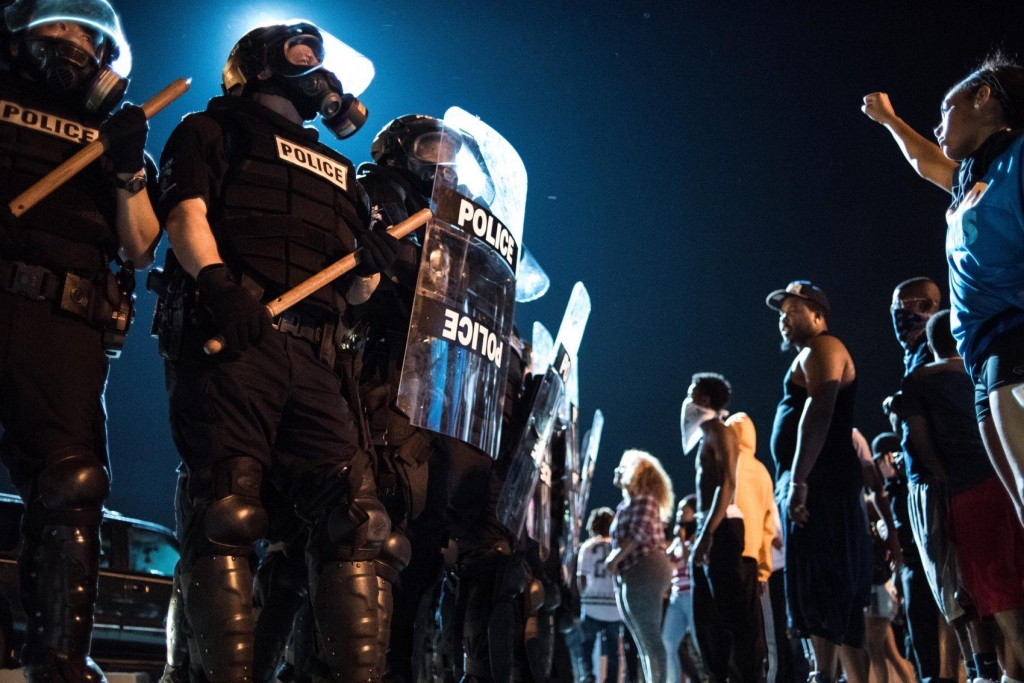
(59, 571)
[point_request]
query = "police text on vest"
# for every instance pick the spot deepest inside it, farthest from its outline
(305, 158)
(46, 123)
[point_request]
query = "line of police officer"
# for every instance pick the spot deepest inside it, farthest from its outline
(299, 409)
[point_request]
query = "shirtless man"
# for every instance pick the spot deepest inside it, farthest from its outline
(726, 628)
(828, 551)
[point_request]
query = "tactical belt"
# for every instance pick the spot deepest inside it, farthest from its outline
(32, 282)
(304, 326)
(301, 326)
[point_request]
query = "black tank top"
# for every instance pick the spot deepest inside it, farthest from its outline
(838, 466)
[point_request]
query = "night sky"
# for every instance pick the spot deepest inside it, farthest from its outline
(684, 159)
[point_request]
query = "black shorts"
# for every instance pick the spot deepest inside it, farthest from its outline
(1001, 366)
(828, 568)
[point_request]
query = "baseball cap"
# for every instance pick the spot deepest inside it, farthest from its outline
(803, 289)
(886, 442)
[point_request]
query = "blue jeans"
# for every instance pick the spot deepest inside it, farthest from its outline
(678, 623)
(608, 631)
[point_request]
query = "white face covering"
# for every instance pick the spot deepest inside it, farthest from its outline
(690, 419)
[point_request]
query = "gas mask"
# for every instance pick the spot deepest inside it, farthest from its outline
(691, 418)
(47, 35)
(429, 150)
(294, 56)
(67, 68)
(319, 93)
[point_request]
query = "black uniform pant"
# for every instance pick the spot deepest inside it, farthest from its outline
(52, 372)
(727, 611)
(276, 408)
(277, 403)
(52, 376)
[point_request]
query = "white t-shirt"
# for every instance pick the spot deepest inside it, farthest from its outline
(598, 597)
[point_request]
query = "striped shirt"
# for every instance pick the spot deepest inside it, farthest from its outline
(638, 518)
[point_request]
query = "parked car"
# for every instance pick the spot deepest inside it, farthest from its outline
(137, 561)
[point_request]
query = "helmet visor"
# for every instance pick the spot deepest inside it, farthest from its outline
(353, 69)
(97, 15)
(436, 148)
(304, 53)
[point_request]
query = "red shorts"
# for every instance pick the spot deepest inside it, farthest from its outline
(990, 547)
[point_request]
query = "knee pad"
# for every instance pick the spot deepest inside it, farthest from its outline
(511, 578)
(362, 525)
(235, 521)
(535, 596)
(234, 515)
(75, 481)
(395, 554)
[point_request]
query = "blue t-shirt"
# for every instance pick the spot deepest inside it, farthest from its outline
(985, 247)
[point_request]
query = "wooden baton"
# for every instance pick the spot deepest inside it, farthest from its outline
(326, 276)
(90, 153)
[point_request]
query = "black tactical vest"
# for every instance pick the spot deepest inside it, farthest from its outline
(74, 228)
(288, 206)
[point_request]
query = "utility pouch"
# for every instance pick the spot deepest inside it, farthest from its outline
(106, 301)
(176, 302)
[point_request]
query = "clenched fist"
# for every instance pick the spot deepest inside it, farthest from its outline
(878, 108)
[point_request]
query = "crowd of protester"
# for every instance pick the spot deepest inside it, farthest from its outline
(898, 560)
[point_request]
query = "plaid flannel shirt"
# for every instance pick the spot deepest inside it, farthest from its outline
(638, 518)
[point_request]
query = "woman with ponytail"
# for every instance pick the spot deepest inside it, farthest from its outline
(979, 160)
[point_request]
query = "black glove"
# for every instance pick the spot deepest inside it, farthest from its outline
(237, 315)
(379, 251)
(126, 130)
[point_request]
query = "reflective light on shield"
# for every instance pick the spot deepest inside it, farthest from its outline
(531, 281)
(574, 322)
(542, 349)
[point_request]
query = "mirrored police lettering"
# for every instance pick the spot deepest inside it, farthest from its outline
(472, 335)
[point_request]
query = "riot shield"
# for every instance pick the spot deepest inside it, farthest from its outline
(570, 335)
(591, 446)
(570, 527)
(456, 361)
(531, 281)
(542, 351)
(530, 452)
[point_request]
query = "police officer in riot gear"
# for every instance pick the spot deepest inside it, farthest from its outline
(61, 306)
(434, 486)
(412, 462)
(255, 204)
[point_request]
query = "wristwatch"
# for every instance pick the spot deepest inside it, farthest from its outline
(135, 184)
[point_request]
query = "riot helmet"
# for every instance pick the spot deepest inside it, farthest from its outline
(73, 46)
(417, 144)
(290, 60)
